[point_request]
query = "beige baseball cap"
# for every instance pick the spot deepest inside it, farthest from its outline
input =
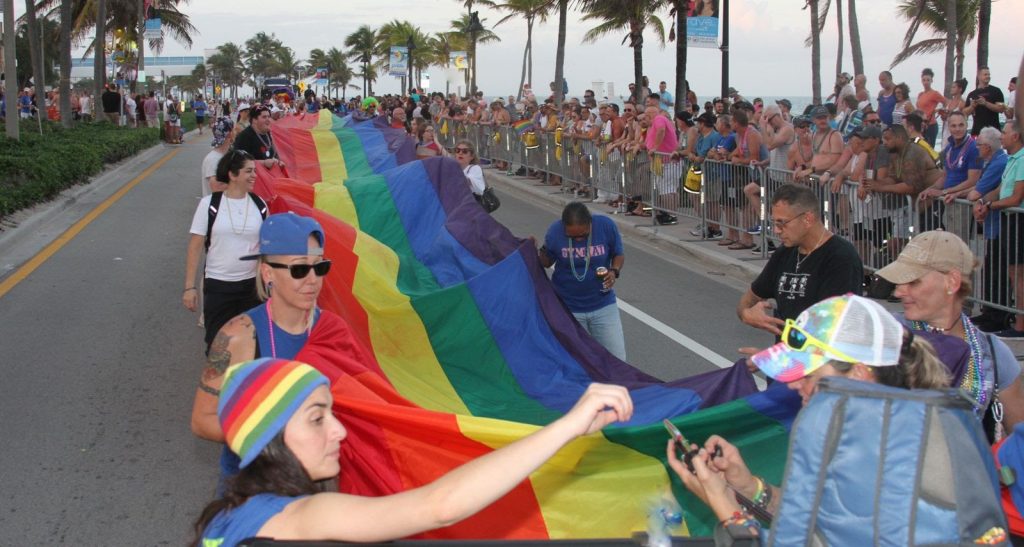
(935, 251)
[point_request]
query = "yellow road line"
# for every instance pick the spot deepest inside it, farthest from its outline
(42, 256)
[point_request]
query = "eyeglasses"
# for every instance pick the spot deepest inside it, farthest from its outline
(300, 271)
(873, 122)
(780, 224)
(463, 151)
(798, 339)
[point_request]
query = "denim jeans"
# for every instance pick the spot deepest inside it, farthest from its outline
(605, 325)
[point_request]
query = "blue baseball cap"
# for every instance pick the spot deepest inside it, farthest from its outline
(287, 234)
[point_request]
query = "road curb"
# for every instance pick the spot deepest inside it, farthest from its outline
(699, 252)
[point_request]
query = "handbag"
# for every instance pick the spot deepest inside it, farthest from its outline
(489, 200)
(692, 182)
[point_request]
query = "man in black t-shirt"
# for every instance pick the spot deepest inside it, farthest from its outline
(985, 103)
(812, 265)
(257, 140)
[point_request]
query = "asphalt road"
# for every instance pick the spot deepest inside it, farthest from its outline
(100, 360)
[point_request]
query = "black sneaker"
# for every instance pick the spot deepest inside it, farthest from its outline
(757, 248)
(521, 172)
(666, 219)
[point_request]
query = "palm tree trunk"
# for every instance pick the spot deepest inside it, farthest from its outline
(839, 27)
(950, 43)
(858, 55)
(984, 21)
(35, 40)
(529, 26)
(141, 50)
(815, 53)
(960, 47)
(563, 8)
(526, 53)
(99, 65)
(681, 45)
(637, 41)
(65, 63)
(11, 83)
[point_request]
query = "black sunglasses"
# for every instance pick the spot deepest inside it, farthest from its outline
(300, 271)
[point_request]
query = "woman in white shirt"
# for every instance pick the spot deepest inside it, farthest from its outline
(229, 284)
(465, 154)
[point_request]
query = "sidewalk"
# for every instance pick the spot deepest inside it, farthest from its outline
(741, 265)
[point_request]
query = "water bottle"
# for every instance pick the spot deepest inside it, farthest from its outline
(664, 515)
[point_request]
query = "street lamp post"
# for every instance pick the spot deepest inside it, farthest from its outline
(411, 46)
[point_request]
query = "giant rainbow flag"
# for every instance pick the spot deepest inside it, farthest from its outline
(456, 344)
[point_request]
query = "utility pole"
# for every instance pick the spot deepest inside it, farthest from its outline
(10, 72)
(725, 49)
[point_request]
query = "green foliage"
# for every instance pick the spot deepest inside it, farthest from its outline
(38, 167)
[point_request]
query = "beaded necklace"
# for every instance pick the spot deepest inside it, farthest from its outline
(973, 380)
(270, 322)
(572, 258)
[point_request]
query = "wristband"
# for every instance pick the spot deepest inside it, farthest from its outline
(190, 289)
(617, 274)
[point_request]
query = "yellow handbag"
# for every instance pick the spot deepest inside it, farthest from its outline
(530, 139)
(693, 180)
(657, 165)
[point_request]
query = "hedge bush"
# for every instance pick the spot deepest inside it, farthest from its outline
(38, 167)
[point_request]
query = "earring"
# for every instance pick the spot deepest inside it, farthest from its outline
(949, 293)
(270, 286)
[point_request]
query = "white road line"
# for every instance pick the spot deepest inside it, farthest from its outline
(696, 347)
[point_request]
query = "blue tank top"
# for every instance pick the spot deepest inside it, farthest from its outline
(885, 107)
(230, 527)
(287, 346)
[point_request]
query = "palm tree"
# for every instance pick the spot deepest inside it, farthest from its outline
(563, 14)
(679, 10)
(285, 62)
(839, 28)
(99, 65)
(858, 54)
(228, 65)
(398, 33)
(463, 26)
(633, 16)
(817, 23)
(65, 63)
(35, 43)
(953, 23)
(532, 11)
(340, 73)
(261, 57)
(984, 21)
(362, 44)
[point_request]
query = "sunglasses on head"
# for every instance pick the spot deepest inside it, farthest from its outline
(300, 271)
(798, 339)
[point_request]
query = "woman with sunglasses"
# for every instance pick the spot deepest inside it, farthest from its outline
(228, 285)
(289, 442)
(290, 265)
(465, 154)
(849, 336)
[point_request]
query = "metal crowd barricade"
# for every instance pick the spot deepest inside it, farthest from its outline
(878, 225)
(727, 206)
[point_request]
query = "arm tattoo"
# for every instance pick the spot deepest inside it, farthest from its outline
(220, 357)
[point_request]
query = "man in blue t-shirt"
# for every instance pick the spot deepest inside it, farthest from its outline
(199, 107)
(578, 246)
(990, 149)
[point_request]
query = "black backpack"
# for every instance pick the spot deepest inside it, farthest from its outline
(211, 213)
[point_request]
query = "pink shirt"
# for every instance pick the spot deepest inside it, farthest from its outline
(669, 142)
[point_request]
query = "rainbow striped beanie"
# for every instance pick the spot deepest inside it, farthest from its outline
(258, 398)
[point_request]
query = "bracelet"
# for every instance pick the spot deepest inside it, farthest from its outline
(190, 289)
(617, 274)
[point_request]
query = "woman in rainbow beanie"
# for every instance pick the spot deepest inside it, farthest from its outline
(276, 415)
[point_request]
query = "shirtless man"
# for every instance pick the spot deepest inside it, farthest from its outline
(747, 153)
(800, 153)
(826, 145)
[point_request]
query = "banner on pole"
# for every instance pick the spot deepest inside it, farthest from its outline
(702, 25)
(459, 60)
(321, 76)
(152, 31)
(398, 61)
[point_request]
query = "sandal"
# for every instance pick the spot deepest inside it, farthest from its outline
(740, 246)
(726, 242)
